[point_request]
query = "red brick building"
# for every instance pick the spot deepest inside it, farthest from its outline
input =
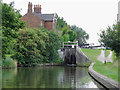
(36, 19)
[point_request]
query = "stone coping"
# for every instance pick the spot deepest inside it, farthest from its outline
(105, 81)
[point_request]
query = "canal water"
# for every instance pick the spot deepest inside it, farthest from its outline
(47, 77)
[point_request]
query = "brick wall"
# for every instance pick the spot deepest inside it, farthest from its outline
(32, 20)
(48, 25)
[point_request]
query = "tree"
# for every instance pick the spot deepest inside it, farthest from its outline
(36, 46)
(68, 34)
(72, 35)
(60, 23)
(11, 23)
(66, 37)
(111, 38)
(53, 46)
(29, 47)
(82, 36)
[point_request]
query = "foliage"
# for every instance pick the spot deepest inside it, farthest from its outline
(53, 46)
(82, 36)
(71, 33)
(111, 38)
(59, 61)
(11, 23)
(36, 46)
(65, 37)
(61, 23)
(8, 63)
(68, 34)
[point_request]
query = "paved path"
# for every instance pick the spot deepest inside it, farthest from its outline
(109, 58)
(102, 57)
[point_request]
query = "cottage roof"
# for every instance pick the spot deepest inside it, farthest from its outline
(45, 17)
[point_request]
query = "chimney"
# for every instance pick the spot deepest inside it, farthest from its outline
(37, 9)
(29, 7)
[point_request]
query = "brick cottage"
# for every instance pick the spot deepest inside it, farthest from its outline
(36, 19)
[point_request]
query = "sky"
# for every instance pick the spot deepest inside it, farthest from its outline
(91, 15)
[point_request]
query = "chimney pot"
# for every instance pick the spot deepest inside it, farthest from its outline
(37, 8)
(29, 7)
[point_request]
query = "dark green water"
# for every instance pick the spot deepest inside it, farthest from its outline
(47, 77)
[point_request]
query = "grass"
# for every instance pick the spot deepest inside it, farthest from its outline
(91, 53)
(107, 52)
(109, 69)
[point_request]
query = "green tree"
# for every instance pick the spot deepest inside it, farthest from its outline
(53, 46)
(64, 29)
(68, 34)
(29, 47)
(60, 23)
(82, 36)
(36, 46)
(11, 23)
(66, 37)
(72, 35)
(111, 38)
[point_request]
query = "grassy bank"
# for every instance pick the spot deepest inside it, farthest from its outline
(91, 53)
(109, 69)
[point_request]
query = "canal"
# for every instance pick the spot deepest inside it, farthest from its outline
(47, 77)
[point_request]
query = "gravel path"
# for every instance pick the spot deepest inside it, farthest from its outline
(102, 57)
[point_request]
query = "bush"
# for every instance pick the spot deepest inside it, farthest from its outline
(8, 63)
(59, 61)
(36, 46)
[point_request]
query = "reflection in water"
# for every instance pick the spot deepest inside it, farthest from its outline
(47, 77)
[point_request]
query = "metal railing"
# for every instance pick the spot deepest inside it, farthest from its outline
(70, 44)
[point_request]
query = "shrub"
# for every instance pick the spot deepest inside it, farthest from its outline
(8, 63)
(36, 46)
(59, 61)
